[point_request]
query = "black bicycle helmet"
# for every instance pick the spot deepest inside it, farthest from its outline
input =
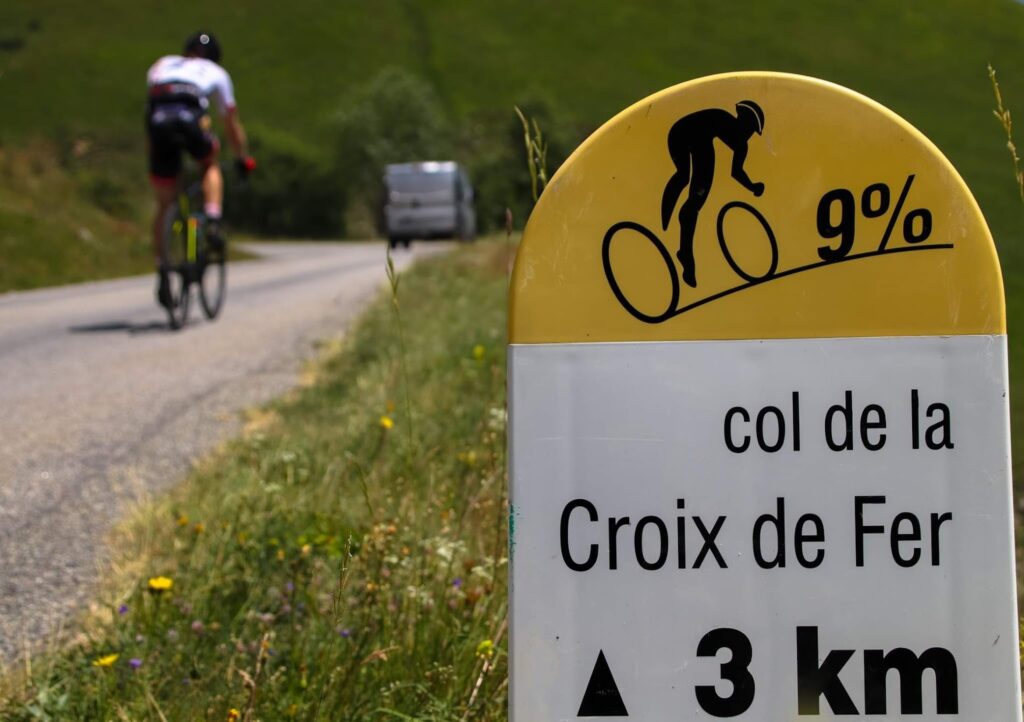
(749, 106)
(203, 45)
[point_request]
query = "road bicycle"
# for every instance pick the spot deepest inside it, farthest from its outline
(193, 259)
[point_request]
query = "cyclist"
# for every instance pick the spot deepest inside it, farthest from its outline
(691, 145)
(180, 88)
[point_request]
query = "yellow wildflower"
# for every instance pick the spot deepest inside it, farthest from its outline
(106, 661)
(182, 520)
(280, 555)
(479, 352)
(200, 527)
(387, 422)
(306, 550)
(233, 715)
(160, 584)
(485, 650)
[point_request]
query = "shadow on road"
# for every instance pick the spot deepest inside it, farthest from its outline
(119, 326)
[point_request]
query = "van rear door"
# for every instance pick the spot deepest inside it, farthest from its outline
(421, 203)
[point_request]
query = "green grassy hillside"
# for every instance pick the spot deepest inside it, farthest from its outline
(71, 70)
(80, 65)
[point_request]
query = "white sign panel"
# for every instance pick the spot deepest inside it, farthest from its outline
(762, 528)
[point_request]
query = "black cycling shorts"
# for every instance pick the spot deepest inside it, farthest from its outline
(172, 128)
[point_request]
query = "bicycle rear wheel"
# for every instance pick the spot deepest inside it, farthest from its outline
(213, 270)
(178, 266)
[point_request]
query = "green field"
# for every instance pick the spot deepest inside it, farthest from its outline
(82, 66)
(71, 72)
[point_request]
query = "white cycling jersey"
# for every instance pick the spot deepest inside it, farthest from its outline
(210, 78)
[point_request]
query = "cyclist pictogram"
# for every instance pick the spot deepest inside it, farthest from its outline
(691, 146)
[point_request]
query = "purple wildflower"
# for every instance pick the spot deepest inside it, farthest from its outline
(122, 610)
(134, 662)
(457, 583)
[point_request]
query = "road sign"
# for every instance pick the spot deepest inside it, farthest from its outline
(759, 421)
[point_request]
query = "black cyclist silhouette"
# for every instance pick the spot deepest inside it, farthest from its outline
(691, 145)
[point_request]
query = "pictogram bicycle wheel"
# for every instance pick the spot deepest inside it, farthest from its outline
(614, 284)
(770, 237)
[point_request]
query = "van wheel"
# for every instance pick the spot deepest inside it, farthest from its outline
(393, 241)
(405, 242)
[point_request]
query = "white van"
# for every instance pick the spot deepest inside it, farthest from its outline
(433, 199)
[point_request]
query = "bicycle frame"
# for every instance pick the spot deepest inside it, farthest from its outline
(192, 229)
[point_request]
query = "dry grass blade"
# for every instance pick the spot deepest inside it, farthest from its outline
(1003, 116)
(536, 154)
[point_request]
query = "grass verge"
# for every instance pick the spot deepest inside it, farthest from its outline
(53, 228)
(344, 559)
(73, 214)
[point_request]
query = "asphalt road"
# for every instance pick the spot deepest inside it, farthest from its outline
(102, 405)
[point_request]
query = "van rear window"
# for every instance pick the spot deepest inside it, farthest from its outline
(415, 183)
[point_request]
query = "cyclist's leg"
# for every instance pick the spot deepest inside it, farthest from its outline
(676, 184)
(203, 145)
(164, 166)
(213, 184)
(213, 197)
(702, 174)
(164, 192)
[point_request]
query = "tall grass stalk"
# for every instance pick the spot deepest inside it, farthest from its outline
(1003, 116)
(536, 154)
(393, 282)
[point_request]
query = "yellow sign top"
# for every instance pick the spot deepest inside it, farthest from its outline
(755, 205)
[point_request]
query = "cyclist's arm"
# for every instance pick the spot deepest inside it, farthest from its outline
(236, 133)
(739, 157)
(224, 90)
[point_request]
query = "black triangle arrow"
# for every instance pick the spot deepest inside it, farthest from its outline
(602, 698)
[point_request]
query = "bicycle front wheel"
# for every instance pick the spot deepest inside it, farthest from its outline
(769, 235)
(176, 237)
(213, 285)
